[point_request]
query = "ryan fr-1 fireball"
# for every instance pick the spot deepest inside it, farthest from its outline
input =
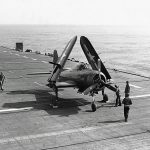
(86, 80)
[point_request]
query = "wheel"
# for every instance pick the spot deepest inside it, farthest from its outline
(105, 98)
(93, 106)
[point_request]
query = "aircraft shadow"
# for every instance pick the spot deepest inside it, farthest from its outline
(112, 121)
(43, 101)
(100, 105)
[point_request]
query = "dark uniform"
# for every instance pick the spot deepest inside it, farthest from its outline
(127, 102)
(127, 88)
(118, 101)
(2, 77)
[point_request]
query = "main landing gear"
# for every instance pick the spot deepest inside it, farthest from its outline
(105, 98)
(55, 99)
(93, 105)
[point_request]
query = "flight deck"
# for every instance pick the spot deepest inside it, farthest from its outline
(28, 122)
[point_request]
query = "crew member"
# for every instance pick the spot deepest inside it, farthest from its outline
(127, 88)
(2, 77)
(118, 101)
(127, 102)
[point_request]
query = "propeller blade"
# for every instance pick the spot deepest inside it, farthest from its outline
(90, 88)
(108, 86)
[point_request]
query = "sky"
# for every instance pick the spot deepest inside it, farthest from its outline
(76, 12)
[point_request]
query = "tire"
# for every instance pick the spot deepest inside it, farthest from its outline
(93, 106)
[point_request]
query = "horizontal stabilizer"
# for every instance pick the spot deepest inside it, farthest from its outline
(39, 73)
(55, 64)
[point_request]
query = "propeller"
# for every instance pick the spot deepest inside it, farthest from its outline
(101, 81)
(92, 87)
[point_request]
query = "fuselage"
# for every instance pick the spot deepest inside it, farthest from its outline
(83, 78)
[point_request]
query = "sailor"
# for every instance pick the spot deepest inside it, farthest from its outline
(118, 101)
(2, 77)
(127, 88)
(127, 102)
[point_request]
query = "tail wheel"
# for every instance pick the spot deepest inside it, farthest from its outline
(93, 106)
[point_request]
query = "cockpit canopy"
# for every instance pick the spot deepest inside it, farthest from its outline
(81, 66)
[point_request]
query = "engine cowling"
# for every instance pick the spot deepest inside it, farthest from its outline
(100, 79)
(95, 78)
(95, 82)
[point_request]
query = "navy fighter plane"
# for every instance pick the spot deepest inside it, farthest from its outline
(86, 80)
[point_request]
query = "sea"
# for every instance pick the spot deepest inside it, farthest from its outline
(120, 47)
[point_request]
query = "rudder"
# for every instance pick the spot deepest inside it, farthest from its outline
(55, 57)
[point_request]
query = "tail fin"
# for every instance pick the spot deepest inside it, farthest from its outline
(55, 57)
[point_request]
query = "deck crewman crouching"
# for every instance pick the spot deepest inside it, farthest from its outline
(2, 78)
(127, 102)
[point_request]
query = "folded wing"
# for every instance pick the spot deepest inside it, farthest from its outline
(92, 56)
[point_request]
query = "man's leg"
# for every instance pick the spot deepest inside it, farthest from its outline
(116, 102)
(126, 112)
(119, 101)
(1, 86)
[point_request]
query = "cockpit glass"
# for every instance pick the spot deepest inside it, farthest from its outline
(81, 66)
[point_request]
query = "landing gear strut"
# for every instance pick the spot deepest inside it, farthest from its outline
(93, 105)
(55, 100)
(105, 96)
